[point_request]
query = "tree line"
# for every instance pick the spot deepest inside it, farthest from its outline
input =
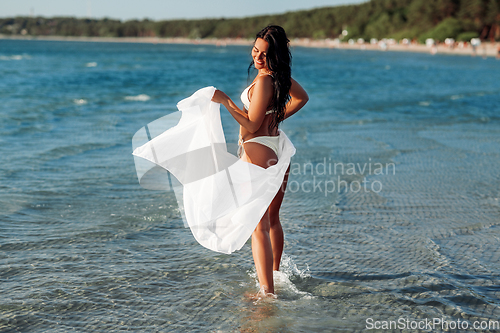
(412, 19)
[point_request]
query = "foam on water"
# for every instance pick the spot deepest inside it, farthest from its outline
(140, 98)
(80, 101)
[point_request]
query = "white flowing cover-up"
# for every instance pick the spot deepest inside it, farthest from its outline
(221, 197)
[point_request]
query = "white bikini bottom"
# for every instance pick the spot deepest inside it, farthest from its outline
(271, 142)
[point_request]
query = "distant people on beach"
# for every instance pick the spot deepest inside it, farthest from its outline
(475, 43)
(430, 42)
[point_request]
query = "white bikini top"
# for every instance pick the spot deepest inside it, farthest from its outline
(246, 101)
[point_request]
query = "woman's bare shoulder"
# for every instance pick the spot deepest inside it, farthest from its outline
(264, 79)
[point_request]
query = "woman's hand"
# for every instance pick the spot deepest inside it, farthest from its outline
(251, 120)
(220, 97)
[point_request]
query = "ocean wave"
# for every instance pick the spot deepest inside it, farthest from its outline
(141, 98)
(80, 101)
(91, 64)
(15, 57)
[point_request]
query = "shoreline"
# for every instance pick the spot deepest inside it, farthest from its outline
(486, 49)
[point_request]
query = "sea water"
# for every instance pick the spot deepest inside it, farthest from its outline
(391, 217)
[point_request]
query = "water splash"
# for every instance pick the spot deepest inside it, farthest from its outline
(284, 279)
(290, 268)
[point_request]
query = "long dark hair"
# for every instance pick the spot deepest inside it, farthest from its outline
(278, 60)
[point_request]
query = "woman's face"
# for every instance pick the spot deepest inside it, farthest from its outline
(259, 53)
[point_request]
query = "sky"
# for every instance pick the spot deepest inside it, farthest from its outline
(159, 9)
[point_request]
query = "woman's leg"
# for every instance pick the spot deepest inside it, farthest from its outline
(262, 250)
(263, 254)
(275, 230)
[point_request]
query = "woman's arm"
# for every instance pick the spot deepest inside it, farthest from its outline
(298, 99)
(262, 94)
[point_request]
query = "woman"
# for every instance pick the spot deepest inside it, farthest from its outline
(272, 97)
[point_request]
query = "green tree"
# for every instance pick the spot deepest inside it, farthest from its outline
(449, 28)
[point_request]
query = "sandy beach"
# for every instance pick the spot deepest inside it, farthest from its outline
(486, 49)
